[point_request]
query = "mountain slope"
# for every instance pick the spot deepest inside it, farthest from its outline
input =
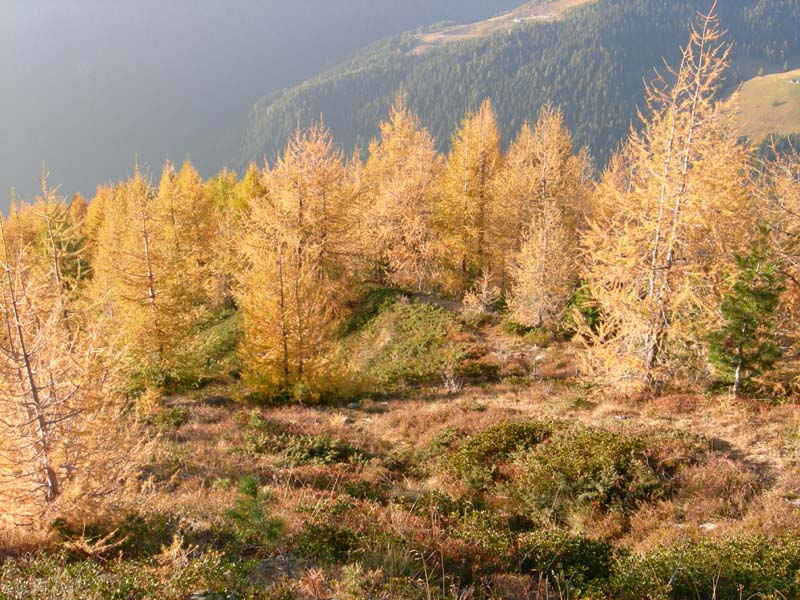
(531, 11)
(591, 62)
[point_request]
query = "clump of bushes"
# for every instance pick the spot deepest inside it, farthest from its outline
(303, 449)
(555, 554)
(753, 566)
(44, 577)
(173, 417)
(580, 467)
(491, 537)
(327, 544)
(134, 535)
(478, 460)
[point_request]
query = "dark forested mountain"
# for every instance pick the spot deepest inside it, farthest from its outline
(591, 61)
(91, 86)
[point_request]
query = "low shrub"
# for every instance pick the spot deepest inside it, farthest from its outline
(477, 461)
(588, 467)
(554, 554)
(540, 337)
(478, 371)
(45, 577)
(170, 418)
(511, 327)
(366, 490)
(491, 536)
(326, 544)
(303, 449)
(298, 449)
(135, 535)
(752, 566)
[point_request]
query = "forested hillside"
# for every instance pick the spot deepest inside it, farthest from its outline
(590, 63)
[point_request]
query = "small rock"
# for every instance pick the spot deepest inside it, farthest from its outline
(354, 406)
(709, 526)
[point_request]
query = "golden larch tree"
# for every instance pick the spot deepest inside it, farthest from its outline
(777, 183)
(135, 276)
(65, 446)
(397, 200)
(294, 287)
(543, 193)
(226, 261)
(186, 210)
(670, 214)
(467, 216)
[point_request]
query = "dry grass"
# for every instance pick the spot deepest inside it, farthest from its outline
(546, 11)
(768, 104)
(749, 481)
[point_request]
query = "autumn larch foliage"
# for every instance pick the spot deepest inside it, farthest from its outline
(294, 290)
(65, 447)
(467, 217)
(153, 269)
(670, 214)
(544, 197)
(398, 182)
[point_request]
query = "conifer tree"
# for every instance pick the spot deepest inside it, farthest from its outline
(543, 193)
(778, 184)
(77, 209)
(134, 275)
(540, 167)
(294, 287)
(94, 219)
(544, 273)
(186, 210)
(61, 242)
(63, 441)
(746, 345)
(252, 187)
(669, 216)
(230, 207)
(399, 176)
(467, 214)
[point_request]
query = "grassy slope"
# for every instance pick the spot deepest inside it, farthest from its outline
(768, 104)
(745, 481)
(536, 11)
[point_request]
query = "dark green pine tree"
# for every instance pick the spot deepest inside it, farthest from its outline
(746, 345)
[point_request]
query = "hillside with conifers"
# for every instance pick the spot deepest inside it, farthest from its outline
(488, 374)
(591, 61)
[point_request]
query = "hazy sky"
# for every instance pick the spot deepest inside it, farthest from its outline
(91, 86)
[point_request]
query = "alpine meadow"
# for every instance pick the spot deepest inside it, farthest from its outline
(544, 346)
